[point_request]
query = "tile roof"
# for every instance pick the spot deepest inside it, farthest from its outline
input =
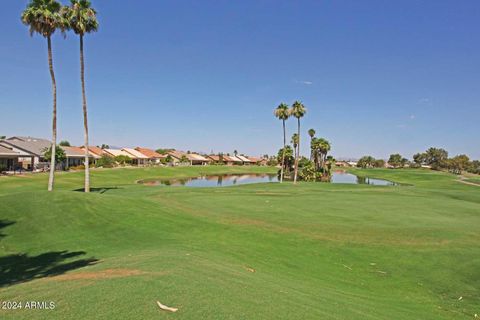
(214, 157)
(77, 152)
(196, 157)
(244, 159)
(96, 150)
(231, 159)
(117, 152)
(150, 153)
(255, 159)
(134, 153)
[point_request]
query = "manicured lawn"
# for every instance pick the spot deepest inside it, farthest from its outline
(473, 180)
(265, 251)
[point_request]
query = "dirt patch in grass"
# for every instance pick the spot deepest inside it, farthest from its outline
(98, 275)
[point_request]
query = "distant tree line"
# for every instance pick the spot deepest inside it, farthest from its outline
(434, 158)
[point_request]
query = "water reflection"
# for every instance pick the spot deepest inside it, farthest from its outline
(239, 179)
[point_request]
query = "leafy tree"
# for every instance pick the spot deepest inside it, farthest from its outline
(282, 113)
(167, 159)
(474, 167)
(436, 158)
(43, 17)
(303, 162)
(366, 162)
(3, 137)
(122, 160)
(64, 143)
(298, 111)
(458, 164)
(105, 162)
(272, 161)
(105, 146)
(419, 158)
(164, 151)
(82, 19)
(309, 172)
(395, 160)
(59, 154)
(379, 163)
(184, 159)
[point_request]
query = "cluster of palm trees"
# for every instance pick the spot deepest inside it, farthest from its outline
(319, 148)
(283, 112)
(45, 17)
(318, 167)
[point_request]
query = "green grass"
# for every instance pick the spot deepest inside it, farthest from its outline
(319, 251)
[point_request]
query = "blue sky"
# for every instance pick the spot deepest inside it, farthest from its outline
(377, 77)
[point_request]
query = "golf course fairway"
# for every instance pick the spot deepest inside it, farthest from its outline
(259, 251)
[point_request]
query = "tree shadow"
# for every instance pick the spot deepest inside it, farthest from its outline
(100, 190)
(19, 268)
(4, 224)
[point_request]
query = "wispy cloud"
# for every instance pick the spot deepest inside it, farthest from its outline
(412, 117)
(305, 82)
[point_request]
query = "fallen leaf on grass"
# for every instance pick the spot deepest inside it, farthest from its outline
(164, 307)
(250, 269)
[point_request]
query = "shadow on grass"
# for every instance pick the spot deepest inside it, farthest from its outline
(100, 190)
(4, 224)
(19, 268)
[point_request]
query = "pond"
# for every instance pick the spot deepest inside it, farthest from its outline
(238, 179)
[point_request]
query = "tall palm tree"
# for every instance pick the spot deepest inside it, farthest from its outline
(282, 113)
(295, 142)
(82, 19)
(43, 17)
(298, 110)
(311, 133)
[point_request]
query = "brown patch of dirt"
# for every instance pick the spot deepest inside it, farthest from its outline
(98, 275)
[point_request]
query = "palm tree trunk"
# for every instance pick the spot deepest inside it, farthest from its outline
(85, 117)
(51, 178)
(297, 154)
(283, 154)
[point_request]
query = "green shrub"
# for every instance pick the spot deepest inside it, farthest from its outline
(105, 162)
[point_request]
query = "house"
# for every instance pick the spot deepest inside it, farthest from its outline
(31, 151)
(75, 156)
(217, 159)
(258, 161)
(96, 151)
(116, 152)
(196, 159)
(191, 158)
(153, 156)
(244, 159)
(232, 160)
(343, 164)
(8, 159)
(139, 158)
